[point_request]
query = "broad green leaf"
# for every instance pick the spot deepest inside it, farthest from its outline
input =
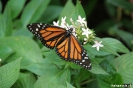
(9, 73)
(52, 13)
(33, 11)
(113, 46)
(6, 22)
(79, 10)
(23, 32)
(122, 3)
(123, 65)
(16, 7)
(25, 48)
(5, 52)
(25, 80)
(53, 57)
(68, 11)
(96, 69)
(53, 78)
(56, 86)
(41, 68)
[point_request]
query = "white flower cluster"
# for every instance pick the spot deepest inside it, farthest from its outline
(80, 30)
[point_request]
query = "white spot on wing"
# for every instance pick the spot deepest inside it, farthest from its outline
(38, 25)
(83, 60)
(36, 29)
(86, 57)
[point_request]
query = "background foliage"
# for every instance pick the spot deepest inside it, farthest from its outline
(26, 63)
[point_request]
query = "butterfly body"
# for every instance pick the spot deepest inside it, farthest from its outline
(65, 43)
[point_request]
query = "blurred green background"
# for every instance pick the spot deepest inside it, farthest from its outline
(26, 63)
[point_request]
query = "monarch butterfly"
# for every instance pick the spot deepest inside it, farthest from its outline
(65, 43)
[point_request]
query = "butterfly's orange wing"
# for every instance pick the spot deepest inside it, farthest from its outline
(71, 50)
(49, 35)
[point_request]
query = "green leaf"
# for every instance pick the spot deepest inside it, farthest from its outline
(9, 73)
(52, 13)
(113, 46)
(122, 3)
(53, 57)
(123, 65)
(68, 11)
(23, 47)
(92, 52)
(90, 6)
(23, 32)
(5, 52)
(74, 11)
(124, 35)
(6, 22)
(96, 69)
(79, 10)
(33, 11)
(25, 80)
(108, 81)
(16, 7)
(69, 85)
(42, 68)
(52, 78)
(0, 7)
(111, 9)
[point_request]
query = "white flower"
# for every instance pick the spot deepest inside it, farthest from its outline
(0, 59)
(97, 45)
(81, 20)
(71, 20)
(63, 20)
(86, 32)
(56, 23)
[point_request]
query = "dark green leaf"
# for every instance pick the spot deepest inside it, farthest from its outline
(124, 35)
(9, 73)
(90, 6)
(0, 7)
(122, 3)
